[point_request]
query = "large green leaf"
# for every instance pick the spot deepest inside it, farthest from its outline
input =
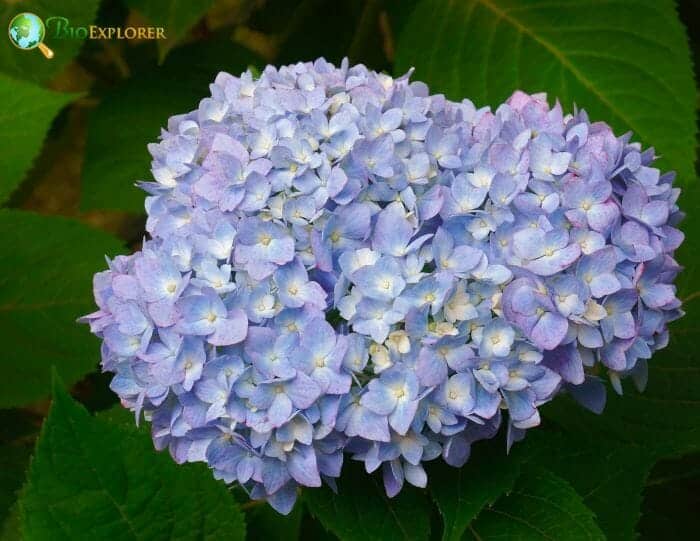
(174, 16)
(18, 430)
(131, 115)
(461, 493)
(671, 500)
(26, 112)
(665, 418)
(626, 62)
(90, 479)
(361, 511)
(9, 529)
(46, 268)
(298, 30)
(689, 254)
(13, 461)
(542, 506)
(608, 476)
(31, 64)
(266, 523)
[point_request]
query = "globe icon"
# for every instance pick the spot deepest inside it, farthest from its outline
(27, 32)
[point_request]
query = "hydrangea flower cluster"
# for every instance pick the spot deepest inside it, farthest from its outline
(342, 264)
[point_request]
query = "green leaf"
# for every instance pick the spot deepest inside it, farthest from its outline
(18, 430)
(46, 268)
(31, 64)
(9, 529)
(361, 511)
(541, 506)
(93, 480)
(130, 117)
(625, 62)
(688, 254)
(13, 462)
(671, 500)
(665, 418)
(608, 476)
(306, 29)
(26, 112)
(461, 493)
(266, 523)
(174, 16)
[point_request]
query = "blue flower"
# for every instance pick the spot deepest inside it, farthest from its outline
(458, 393)
(545, 162)
(280, 396)
(545, 253)
(527, 304)
(590, 204)
(320, 355)
(395, 395)
(341, 262)
(269, 352)
(262, 246)
(596, 272)
(380, 281)
(206, 315)
(295, 289)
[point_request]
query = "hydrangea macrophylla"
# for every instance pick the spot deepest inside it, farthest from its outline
(341, 264)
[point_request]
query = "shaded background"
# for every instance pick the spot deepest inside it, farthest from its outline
(94, 150)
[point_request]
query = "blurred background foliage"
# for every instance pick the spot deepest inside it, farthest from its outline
(73, 135)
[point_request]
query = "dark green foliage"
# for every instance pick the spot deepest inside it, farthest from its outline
(25, 116)
(361, 510)
(31, 65)
(541, 506)
(177, 17)
(90, 479)
(131, 115)
(632, 472)
(461, 494)
(46, 273)
(609, 58)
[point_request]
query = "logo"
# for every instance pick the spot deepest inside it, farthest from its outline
(61, 28)
(27, 32)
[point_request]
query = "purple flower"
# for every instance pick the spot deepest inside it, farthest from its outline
(320, 355)
(394, 395)
(270, 352)
(619, 321)
(636, 204)
(262, 246)
(295, 289)
(340, 262)
(451, 259)
(375, 157)
(545, 253)
(527, 305)
(458, 394)
(496, 339)
(596, 272)
(393, 232)
(590, 204)
(380, 281)
(356, 419)
(545, 162)
(206, 315)
(279, 397)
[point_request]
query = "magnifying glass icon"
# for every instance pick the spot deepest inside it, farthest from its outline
(27, 31)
